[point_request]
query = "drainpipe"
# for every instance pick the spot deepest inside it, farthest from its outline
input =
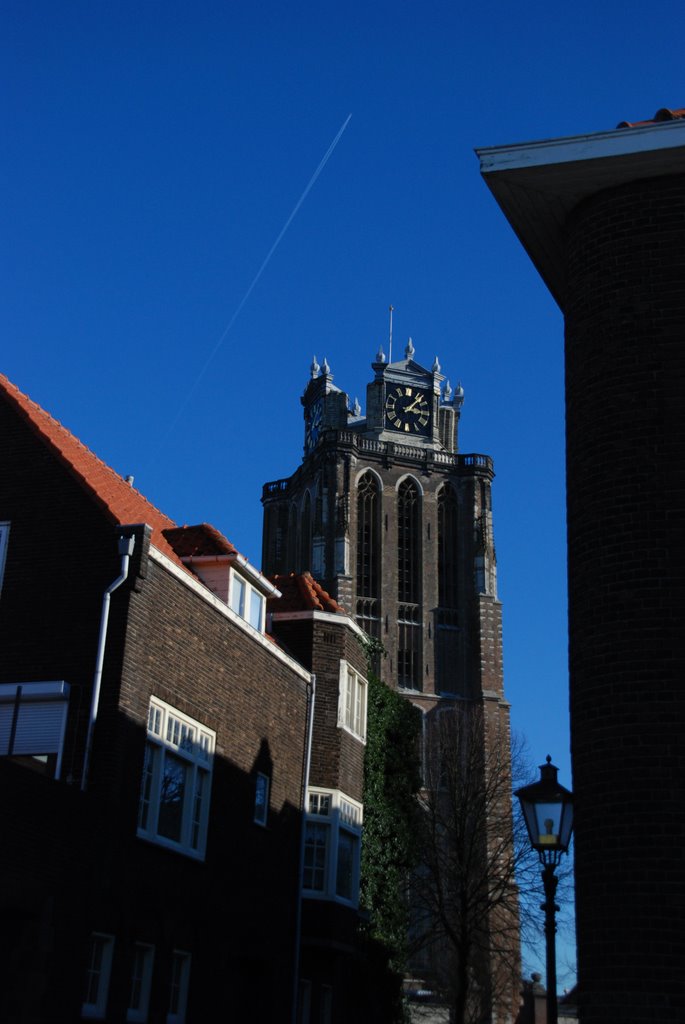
(300, 877)
(126, 545)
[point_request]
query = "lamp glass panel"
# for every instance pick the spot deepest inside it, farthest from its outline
(548, 823)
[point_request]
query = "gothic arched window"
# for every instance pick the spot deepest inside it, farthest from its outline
(447, 548)
(447, 619)
(408, 586)
(408, 542)
(306, 535)
(368, 554)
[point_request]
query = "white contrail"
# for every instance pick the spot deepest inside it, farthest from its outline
(310, 184)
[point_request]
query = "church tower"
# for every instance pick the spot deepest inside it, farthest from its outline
(396, 524)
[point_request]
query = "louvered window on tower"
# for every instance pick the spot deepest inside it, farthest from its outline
(447, 616)
(305, 559)
(408, 647)
(368, 555)
(33, 718)
(447, 550)
(408, 587)
(408, 543)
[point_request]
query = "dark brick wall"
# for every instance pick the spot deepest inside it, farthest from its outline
(625, 366)
(337, 757)
(61, 556)
(71, 861)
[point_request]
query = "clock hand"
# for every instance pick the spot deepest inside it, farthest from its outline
(410, 408)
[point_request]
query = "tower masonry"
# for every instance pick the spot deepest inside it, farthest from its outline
(396, 524)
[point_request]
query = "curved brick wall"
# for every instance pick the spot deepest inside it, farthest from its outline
(625, 367)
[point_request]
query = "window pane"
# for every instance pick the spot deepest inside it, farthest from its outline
(178, 991)
(171, 797)
(98, 967)
(347, 848)
(238, 595)
(146, 786)
(261, 801)
(256, 602)
(315, 857)
(200, 790)
(93, 970)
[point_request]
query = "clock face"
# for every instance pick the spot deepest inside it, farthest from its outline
(312, 428)
(408, 409)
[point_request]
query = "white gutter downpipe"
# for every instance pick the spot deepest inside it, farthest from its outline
(126, 545)
(300, 879)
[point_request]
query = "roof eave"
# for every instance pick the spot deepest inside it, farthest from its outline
(538, 184)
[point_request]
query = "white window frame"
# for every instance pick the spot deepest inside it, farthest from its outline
(352, 701)
(143, 958)
(333, 814)
(33, 720)
(262, 792)
(304, 1001)
(4, 539)
(238, 593)
(241, 600)
(97, 1008)
(175, 739)
(180, 980)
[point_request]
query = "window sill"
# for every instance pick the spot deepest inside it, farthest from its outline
(169, 844)
(351, 732)
(325, 897)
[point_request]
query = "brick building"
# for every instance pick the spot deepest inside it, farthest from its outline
(155, 749)
(397, 525)
(602, 216)
(312, 626)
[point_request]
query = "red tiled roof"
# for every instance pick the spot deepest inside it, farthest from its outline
(661, 115)
(119, 500)
(196, 541)
(301, 593)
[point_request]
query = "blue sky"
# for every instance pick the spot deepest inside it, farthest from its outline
(153, 152)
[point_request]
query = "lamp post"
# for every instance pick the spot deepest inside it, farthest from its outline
(548, 812)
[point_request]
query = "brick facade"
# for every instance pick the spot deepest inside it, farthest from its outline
(625, 370)
(72, 862)
(603, 218)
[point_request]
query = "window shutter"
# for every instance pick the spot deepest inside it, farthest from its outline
(33, 718)
(6, 713)
(40, 727)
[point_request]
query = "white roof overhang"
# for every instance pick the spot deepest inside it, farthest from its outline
(537, 184)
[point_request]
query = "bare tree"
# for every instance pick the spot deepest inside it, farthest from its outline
(466, 893)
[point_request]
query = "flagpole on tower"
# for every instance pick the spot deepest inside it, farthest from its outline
(390, 342)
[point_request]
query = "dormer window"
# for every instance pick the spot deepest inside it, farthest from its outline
(238, 591)
(247, 602)
(224, 571)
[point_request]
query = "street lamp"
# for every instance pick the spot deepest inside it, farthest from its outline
(548, 812)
